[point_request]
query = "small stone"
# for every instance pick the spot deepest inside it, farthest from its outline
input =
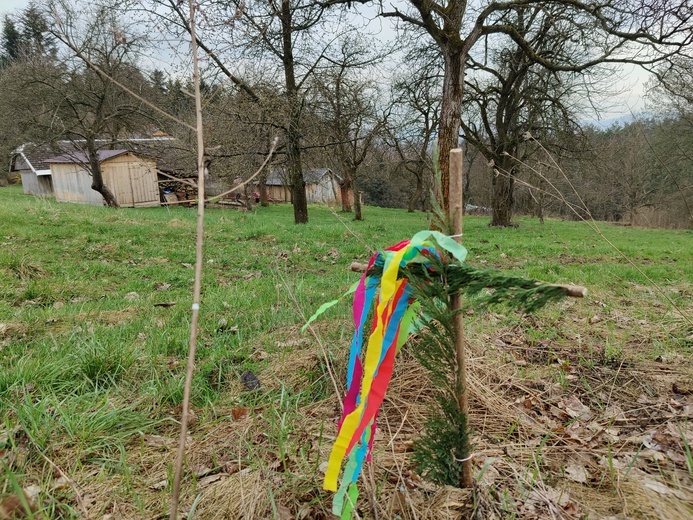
(250, 381)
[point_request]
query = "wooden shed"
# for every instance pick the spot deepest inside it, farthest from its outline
(131, 177)
(29, 161)
(323, 186)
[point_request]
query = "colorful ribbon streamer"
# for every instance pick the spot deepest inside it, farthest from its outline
(369, 373)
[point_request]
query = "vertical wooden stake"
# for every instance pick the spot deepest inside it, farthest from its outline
(455, 214)
(180, 457)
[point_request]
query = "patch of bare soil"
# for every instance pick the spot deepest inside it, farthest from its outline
(11, 332)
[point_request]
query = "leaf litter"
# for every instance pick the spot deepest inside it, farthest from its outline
(561, 429)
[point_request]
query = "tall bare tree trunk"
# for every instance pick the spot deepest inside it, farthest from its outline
(450, 113)
(262, 179)
(248, 197)
(293, 132)
(414, 199)
(501, 205)
(541, 201)
(357, 204)
(344, 190)
(262, 186)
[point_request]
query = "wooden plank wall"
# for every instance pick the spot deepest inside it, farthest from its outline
(33, 184)
(71, 183)
(132, 180)
(144, 183)
(279, 192)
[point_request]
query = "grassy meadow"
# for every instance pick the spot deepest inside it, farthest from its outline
(584, 410)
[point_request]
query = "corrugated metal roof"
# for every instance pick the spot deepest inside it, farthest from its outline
(82, 158)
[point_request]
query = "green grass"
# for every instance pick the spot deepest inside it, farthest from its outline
(89, 364)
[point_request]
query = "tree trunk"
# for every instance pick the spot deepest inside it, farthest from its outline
(357, 205)
(502, 202)
(450, 113)
(298, 184)
(97, 183)
(466, 190)
(344, 190)
(262, 179)
(293, 133)
(540, 202)
(248, 197)
(262, 187)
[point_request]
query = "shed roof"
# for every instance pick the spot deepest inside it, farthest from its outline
(82, 158)
(30, 156)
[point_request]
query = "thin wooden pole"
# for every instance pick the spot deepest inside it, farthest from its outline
(198, 271)
(455, 212)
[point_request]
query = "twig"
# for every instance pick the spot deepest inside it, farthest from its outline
(237, 186)
(258, 172)
(183, 181)
(593, 224)
(371, 495)
(63, 37)
(351, 232)
(71, 482)
(407, 498)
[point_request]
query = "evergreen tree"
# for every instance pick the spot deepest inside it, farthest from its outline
(36, 38)
(11, 41)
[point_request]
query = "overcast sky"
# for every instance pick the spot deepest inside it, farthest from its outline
(7, 6)
(629, 100)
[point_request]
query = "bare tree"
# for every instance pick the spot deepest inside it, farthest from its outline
(346, 106)
(611, 31)
(413, 127)
(511, 102)
(278, 32)
(69, 99)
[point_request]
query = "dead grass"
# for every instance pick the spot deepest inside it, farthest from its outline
(560, 430)
(609, 443)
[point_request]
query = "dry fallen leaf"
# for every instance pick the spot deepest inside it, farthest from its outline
(209, 480)
(284, 513)
(159, 485)
(657, 486)
(157, 441)
(60, 483)
(577, 473)
(574, 407)
(239, 413)
(192, 416)
(12, 506)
